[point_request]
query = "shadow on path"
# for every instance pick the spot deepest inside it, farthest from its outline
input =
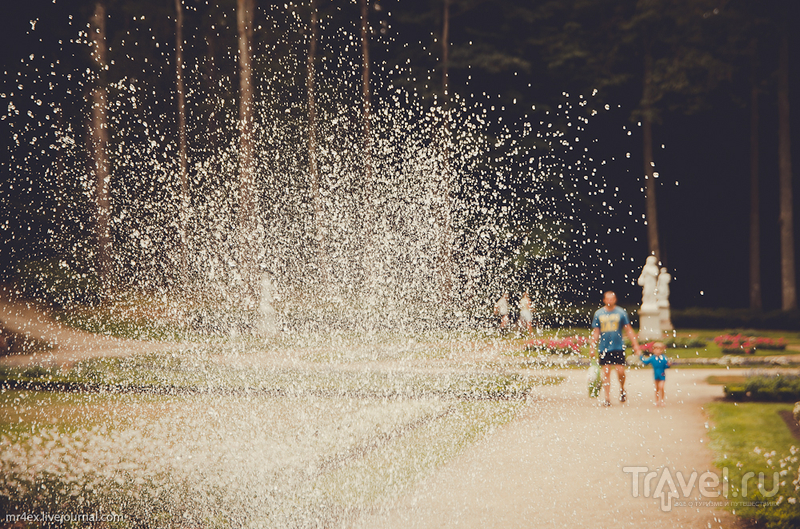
(65, 345)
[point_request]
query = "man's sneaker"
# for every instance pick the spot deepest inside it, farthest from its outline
(623, 396)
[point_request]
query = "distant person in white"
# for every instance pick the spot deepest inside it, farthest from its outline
(525, 313)
(501, 310)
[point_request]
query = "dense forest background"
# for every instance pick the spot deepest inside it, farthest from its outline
(681, 104)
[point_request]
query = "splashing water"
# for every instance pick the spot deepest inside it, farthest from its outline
(447, 207)
(447, 204)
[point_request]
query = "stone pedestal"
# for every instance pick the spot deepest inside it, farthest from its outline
(666, 321)
(649, 324)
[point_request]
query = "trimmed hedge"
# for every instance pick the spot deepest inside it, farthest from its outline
(688, 318)
(704, 318)
(778, 388)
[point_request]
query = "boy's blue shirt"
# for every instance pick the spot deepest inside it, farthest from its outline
(659, 363)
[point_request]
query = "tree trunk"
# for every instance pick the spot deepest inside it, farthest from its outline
(649, 164)
(99, 147)
(212, 85)
(755, 226)
(446, 256)
(183, 157)
(368, 220)
(313, 168)
(366, 92)
(445, 50)
(246, 178)
(246, 198)
(788, 289)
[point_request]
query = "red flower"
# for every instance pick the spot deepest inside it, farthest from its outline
(568, 344)
(748, 343)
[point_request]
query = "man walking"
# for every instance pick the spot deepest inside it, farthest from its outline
(607, 326)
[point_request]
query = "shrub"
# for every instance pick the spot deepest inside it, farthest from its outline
(778, 388)
(55, 281)
(707, 318)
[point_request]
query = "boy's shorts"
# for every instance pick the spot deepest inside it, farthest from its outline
(612, 358)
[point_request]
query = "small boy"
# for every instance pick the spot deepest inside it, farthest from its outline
(659, 363)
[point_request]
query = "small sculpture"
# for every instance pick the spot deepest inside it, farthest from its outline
(648, 280)
(662, 288)
(662, 299)
(649, 314)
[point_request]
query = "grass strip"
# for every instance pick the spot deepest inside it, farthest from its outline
(753, 443)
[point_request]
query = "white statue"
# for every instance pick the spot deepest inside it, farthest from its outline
(648, 281)
(662, 298)
(662, 288)
(649, 314)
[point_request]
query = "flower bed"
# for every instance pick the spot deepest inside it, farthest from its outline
(673, 343)
(566, 345)
(741, 344)
(680, 342)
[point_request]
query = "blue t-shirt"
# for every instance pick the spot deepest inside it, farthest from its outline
(659, 363)
(610, 323)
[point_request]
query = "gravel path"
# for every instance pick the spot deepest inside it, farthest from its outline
(560, 464)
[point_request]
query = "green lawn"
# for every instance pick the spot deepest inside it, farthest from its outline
(726, 380)
(752, 437)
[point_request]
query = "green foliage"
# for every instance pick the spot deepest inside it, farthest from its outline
(138, 327)
(604, 44)
(55, 281)
(722, 318)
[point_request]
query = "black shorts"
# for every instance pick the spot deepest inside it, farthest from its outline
(612, 358)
